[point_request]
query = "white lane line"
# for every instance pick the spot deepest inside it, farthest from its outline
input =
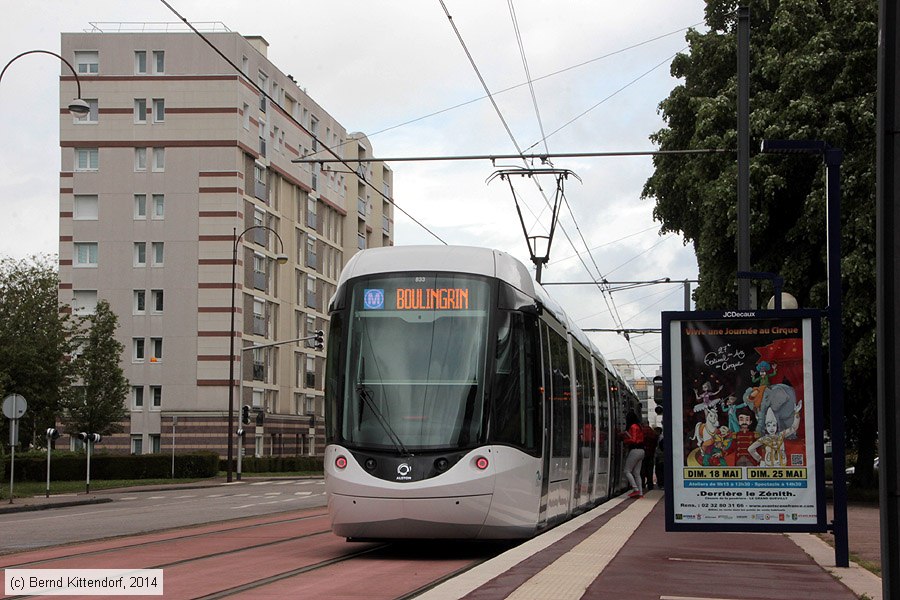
(303, 493)
(273, 493)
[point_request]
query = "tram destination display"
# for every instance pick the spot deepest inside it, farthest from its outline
(744, 418)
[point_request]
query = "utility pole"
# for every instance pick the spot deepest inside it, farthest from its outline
(743, 153)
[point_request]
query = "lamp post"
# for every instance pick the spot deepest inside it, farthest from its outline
(832, 158)
(280, 259)
(77, 106)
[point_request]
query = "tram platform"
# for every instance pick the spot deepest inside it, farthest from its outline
(621, 550)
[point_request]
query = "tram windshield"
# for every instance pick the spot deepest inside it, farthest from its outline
(415, 362)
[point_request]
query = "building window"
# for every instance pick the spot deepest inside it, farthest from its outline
(159, 62)
(140, 254)
(140, 62)
(311, 213)
(140, 206)
(137, 444)
(311, 252)
(85, 208)
(158, 251)
(156, 396)
(245, 65)
(87, 62)
(156, 349)
(156, 301)
(140, 159)
(159, 159)
(92, 114)
(159, 206)
(84, 302)
(259, 317)
(140, 110)
(155, 443)
(159, 110)
(137, 352)
(310, 372)
(246, 116)
(85, 254)
(361, 241)
(87, 159)
(140, 302)
(137, 396)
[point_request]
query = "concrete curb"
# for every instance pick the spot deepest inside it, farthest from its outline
(860, 581)
(17, 508)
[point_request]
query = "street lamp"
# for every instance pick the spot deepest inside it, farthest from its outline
(281, 259)
(832, 158)
(77, 106)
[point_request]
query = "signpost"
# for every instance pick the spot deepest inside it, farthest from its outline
(14, 406)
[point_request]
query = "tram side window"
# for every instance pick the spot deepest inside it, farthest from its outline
(561, 398)
(603, 417)
(517, 416)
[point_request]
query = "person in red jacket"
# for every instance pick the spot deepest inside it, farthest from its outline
(634, 444)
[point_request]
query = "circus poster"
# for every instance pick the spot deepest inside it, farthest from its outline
(743, 409)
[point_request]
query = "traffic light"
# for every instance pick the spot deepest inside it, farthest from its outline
(245, 414)
(89, 437)
(319, 340)
(52, 434)
(240, 433)
(260, 417)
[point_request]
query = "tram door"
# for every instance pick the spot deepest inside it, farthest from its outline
(559, 403)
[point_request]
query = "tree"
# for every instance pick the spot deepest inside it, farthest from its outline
(813, 77)
(34, 342)
(97, 404)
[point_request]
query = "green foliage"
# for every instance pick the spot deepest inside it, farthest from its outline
(34, 344)
(278, 464)
(813, 77)
(97, 402)
(72, 466)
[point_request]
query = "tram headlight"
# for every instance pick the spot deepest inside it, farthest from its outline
(481, 463)
(340, 462)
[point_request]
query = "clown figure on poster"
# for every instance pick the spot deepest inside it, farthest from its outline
(712, 440)
(731, 408)
(773, 442)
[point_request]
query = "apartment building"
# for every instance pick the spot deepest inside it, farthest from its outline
(179, 156)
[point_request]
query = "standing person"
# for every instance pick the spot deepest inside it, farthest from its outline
(660, 458)
(649, 454)
(634, 443)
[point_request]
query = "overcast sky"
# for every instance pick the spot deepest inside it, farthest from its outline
(384, 68)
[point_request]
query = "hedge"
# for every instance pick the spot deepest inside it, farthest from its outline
(277, 464)
(71, 466)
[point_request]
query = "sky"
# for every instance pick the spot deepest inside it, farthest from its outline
(398, 71)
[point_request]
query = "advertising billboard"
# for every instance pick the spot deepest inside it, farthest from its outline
(743, 405)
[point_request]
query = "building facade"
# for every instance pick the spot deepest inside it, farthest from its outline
(181, 165)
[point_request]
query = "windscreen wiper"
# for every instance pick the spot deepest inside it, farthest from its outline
(392, 435)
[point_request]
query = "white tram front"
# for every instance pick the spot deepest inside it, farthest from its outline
(459, 402)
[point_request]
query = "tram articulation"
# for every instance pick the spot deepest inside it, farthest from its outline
(461, 401)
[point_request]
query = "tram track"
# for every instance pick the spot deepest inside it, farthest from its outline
(145, 543)
(276, 556)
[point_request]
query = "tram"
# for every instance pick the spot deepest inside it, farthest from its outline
(462, 402)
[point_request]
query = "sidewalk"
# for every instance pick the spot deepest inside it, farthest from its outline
(621, 550)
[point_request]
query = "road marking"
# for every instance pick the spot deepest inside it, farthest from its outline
(240, 495)
(303, 493)
(129, 498)
(187, 496)
(156, 498)
(273, 493)
(215, 496)
(260, 483)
